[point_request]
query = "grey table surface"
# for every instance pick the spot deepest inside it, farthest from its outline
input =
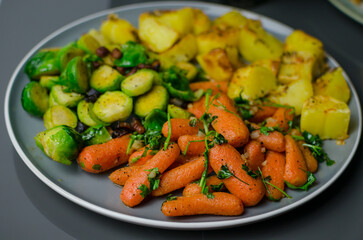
(31, 210)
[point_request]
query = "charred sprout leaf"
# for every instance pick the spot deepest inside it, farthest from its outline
(315, 145)
(249, 172)
(225, 173)
(217, 188)
(305, 187)
(132, 55)
(96, 135)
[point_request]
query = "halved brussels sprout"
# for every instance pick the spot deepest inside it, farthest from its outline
(62, 97)
(67, 53)
(35, 99)
(156, 98)
(138, 83)
(75, 76)
(88, 43)
(48, 81)
(113, 106)
(155, 120)
(177, 112)
(105, 78)
(42, 63)
(59, 115)
(96, 135)
(61, 143)
(86, 114)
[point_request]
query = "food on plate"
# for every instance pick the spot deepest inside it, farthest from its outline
(185, 102)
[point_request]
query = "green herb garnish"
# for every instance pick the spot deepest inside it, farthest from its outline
(96, 166)
(218, 187)
(225, 173)
(315, 145)
(305, 187)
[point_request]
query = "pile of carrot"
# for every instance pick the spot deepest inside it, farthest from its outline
(259, 164)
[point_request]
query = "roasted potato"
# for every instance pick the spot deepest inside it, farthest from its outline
(201, 22)
(180, 20)
(291, 72)
(325, 116)
(251, 82)
(216, 64)
(118, 31)
(255, 43)
(230, 19)
(271, 64)
(333, 84)
(183, 51)
(217, 38)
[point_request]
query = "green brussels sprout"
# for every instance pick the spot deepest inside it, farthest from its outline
(88, 43)
(96, 135)
(48, 81)
(105, 78)
(59, 115)
(132, 55)
(64, 98)
(35, 99)
(75, 76)
(138, 83)
(67, 53)
(155, 120)
(42, 63)
(156, 98)
(61, 143)
(177, 112)
(86, 114)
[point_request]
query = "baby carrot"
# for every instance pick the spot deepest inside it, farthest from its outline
(228, 123)
(182, 159)
(102, 157)
(136, 159)
(212, 183)
(253, 152)
(281, 118)
(132, 193)
(274, 167)
(197, 108)
(179, 127)
(188, 142)
(311, 162)
(242, 185)
(262, 113)
(295, 168)
(221, 204)
(274, 141)
(121, 175)
(180, 176)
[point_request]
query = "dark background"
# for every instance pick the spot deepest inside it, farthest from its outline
(31, 210)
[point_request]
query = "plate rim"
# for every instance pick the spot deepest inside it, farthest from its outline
(348, 9)
(152, 222)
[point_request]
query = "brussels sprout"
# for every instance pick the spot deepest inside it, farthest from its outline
(61, 143)
(138, 83)
(67, 53)
(96, 135)
(177, 112)
(156, 98)
(48, 81)
(155, 120)
(88, 43)
(59, 115)
(42, 63)
(132, 55)
(105, 78)
(35, 99)
(113, 106)
(86, 114)
(62, 97)
(75, 76)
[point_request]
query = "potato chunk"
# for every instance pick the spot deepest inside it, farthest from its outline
(183, 51)
(232, 19)
(201, 22)
(325, 116)
(271, 64)
(255, 43)
(216, 64)
(333, 84)
(294, 94)
(118, 31)
(157, 36)
(217, 38)
(180, 20)
(251, 82)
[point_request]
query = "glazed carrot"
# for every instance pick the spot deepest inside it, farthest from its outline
(295, 168)
(131, 194)
(121, 175)
(262, 113)
(194, 148)
(281, 118)
(253, 152)
(179, 127)
(274, 167)
(222, 204)
(136, 158)
(179, 177)
(102, 157)
(215, 86)
(197, 108)
(194, 188)
(274, 141)
(251, 190)
(182, 160)
(311, 162)
(228, 123)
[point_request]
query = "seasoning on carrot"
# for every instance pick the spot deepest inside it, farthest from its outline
(191, 145)
(221, 204)
(179, 127)
(214, 184)
(121, 175)
(281, 118)
(274, 140)
(262, 113)
(254, 154)
(141, 156)
(102, 157)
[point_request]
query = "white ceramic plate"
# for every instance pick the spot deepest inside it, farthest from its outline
(98, 194)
